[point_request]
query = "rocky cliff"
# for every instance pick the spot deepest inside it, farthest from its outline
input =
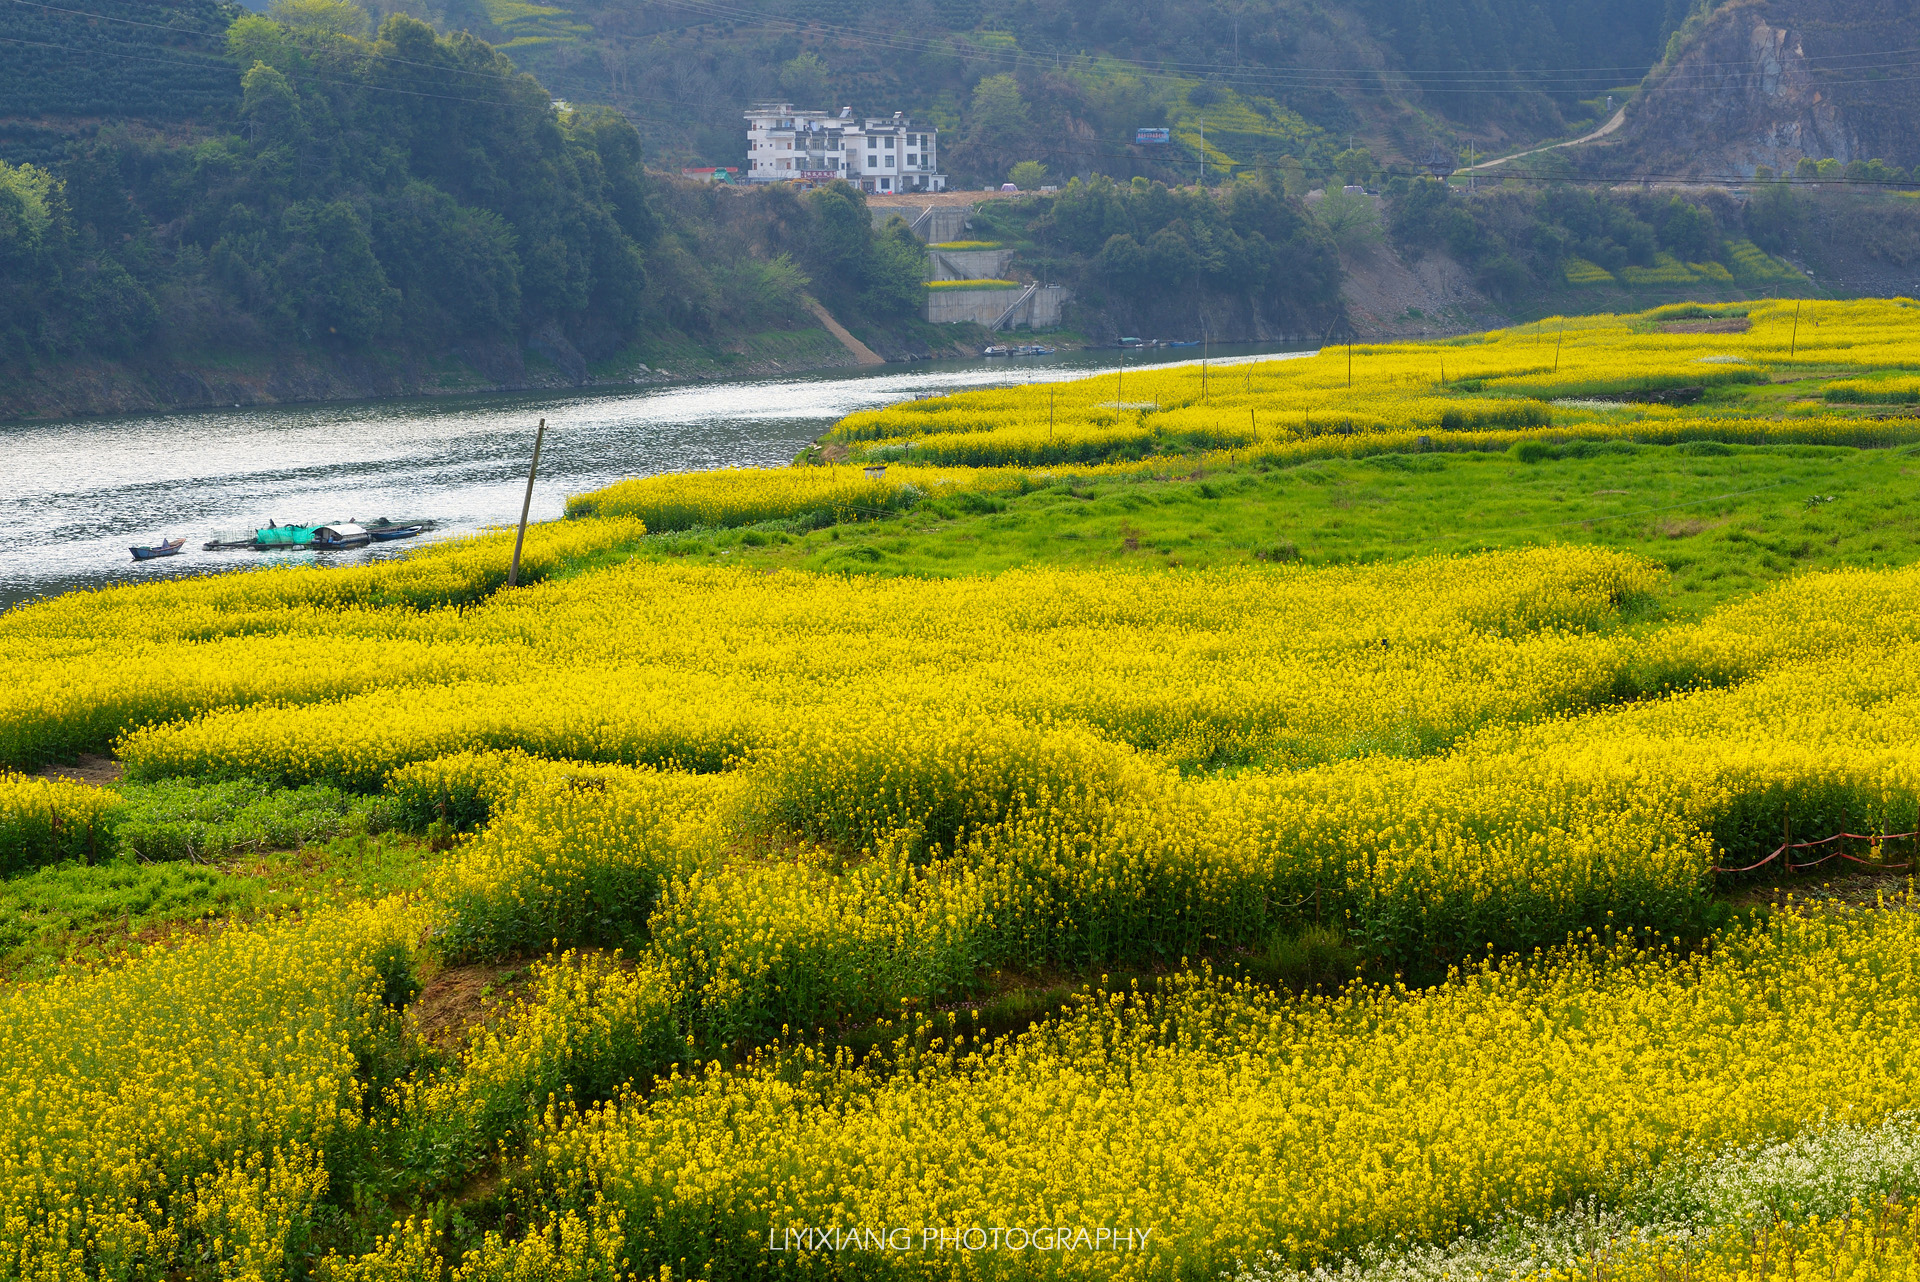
(1768, 82)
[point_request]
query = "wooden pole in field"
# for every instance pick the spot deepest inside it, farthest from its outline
(1793, 344)
(1556, 346)
(526, 504)
(1349, 362)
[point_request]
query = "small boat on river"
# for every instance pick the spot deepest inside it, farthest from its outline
(384, 531)
(166, 547)
(335, 538)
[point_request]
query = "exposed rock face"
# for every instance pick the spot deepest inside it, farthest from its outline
(1769, 82)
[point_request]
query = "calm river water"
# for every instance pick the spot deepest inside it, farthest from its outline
(78, 494)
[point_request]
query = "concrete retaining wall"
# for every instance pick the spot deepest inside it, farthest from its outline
(946, 222)
(969, 264)
(1041, 310)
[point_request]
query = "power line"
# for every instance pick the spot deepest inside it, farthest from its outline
(510, 78)
(220, 62)
(1323, 74)
(1490, 81)
(1428, 82)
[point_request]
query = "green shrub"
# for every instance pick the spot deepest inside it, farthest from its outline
(178, 819)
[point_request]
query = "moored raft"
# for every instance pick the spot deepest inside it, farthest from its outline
(277, 537)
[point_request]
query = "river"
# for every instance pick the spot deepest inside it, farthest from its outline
(79, 494)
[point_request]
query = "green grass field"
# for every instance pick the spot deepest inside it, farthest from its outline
(1723, 519)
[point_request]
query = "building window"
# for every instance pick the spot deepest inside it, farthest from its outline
(889, 142)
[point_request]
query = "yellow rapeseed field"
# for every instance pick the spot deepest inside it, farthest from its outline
(1212, 1122)
(1478, 392)
(737, 876)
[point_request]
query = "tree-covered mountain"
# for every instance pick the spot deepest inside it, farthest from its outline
(1242, 83)
(400, 195)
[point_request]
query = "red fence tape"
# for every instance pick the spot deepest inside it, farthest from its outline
(1838, 854)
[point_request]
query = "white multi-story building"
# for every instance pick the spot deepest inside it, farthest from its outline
(875, 154)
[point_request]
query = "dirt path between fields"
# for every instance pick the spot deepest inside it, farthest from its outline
(1619, 118)
(88, 769)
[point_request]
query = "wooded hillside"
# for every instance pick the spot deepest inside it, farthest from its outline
(399, 193)
(1241, 83)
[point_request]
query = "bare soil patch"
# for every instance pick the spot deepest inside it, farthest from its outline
(88, 768)
(1687, 527)
(460, 1001)
(1716, 325)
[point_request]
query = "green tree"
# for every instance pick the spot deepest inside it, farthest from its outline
(1123, 260)
(836, 243)
(1028, 175)
(1293, 176)
(1350, 220)
(806, 79)
(896, 272)
(271, 108)
(454, 266)
(1355, 165)
(998, 118)
(339, 290)
(1689, 231)
(1502, 276)
(1773, 216)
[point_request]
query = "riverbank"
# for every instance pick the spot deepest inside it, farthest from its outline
(82, 490)
(163, 381)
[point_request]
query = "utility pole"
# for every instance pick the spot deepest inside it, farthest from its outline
(1203, 150)
(526, 504)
